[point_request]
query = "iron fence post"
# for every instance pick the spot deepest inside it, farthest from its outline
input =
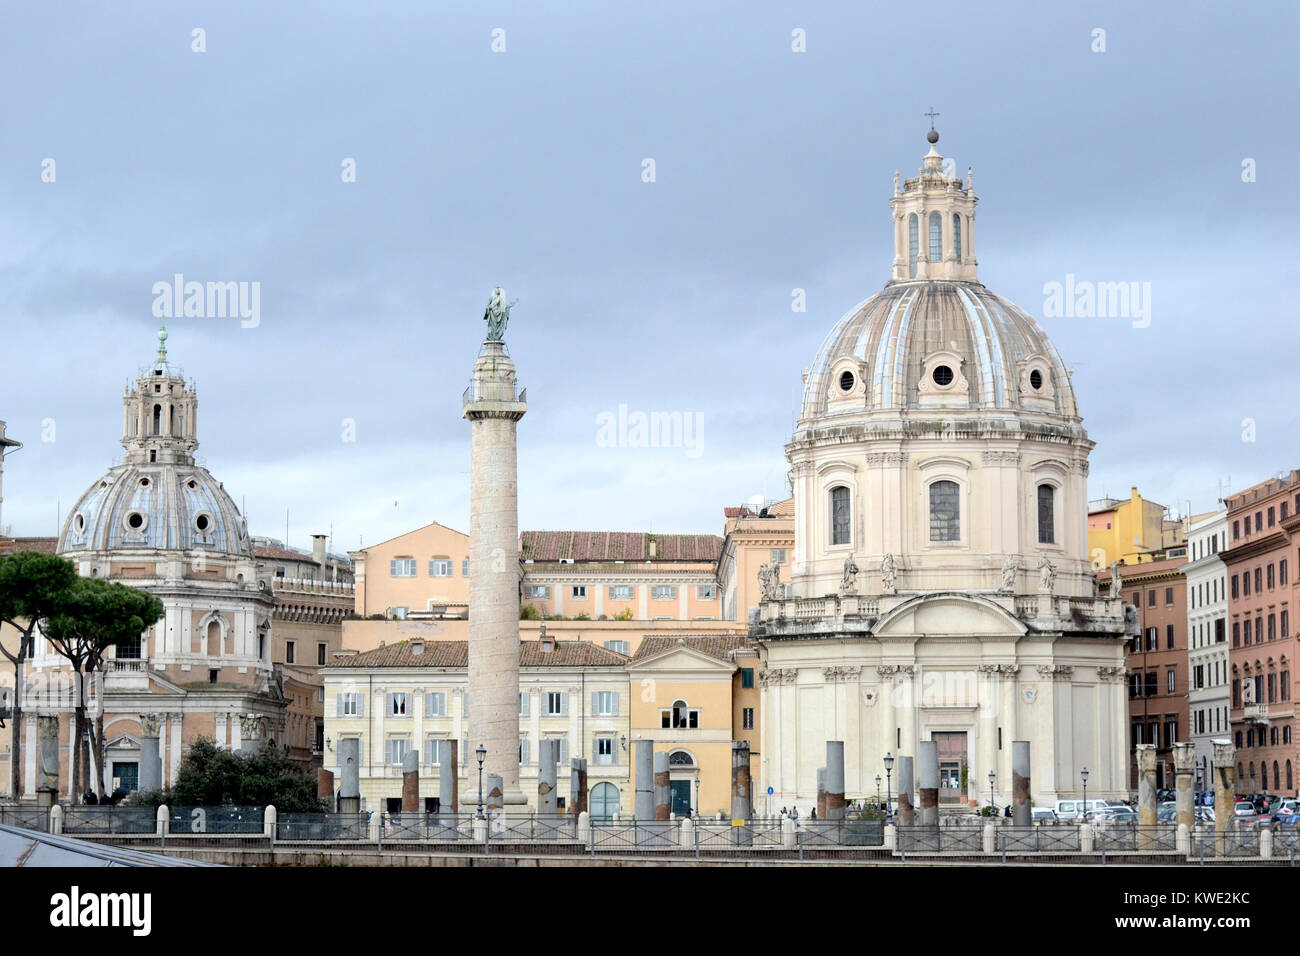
(696, 831)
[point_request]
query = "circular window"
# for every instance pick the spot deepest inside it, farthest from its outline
(942, 375)
(80, 524)
(1036, 379)
(846, 382)
(202, 522)
(192, 484)
(135, 521)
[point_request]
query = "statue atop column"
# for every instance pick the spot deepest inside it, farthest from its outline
(1010, 568)
(497, 315)
(849, 580)
(889, 574)
(1046, 576)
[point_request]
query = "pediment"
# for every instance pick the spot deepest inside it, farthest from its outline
(949, 613)
(684, 658)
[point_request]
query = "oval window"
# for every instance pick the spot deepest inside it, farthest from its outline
(202, 522)
(192, 484)
(942, 375)
(1036, 379)
(135, 521)
(80, 523)
(846, 382)
(144, 482)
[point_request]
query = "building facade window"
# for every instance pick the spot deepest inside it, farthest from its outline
(604, 703)
(841, 516)
(578, 592)
(620, 592)
(747, 718)
(936, 237)
(349, 705)
(605, 750)
(435, 704)
(956, 236)
(440, 567)
(664, 592)
(945, 516)
(913, 244)
(747, 677)
(401, 568)
(618, 647)
(399, 705)
(705, 592)
(539, 591)
(557, 704)
(1046, 514)
(290, 652)
(395, 749)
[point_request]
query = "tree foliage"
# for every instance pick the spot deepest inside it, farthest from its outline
(211, 776)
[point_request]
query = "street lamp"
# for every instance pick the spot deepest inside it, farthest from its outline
(480, 753)
(993, 806)
(889, 771)
(877, 789)
(1084, 774)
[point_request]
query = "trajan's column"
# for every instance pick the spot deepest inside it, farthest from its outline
(494, 403)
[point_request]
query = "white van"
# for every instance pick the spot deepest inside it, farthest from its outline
(1074, 809)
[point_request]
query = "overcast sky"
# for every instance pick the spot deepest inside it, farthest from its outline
(524, 168)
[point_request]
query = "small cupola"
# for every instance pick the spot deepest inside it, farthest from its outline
(934, 222)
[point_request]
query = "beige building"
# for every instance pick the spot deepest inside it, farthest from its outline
(423, 573)
(414, 693)
(754, 537)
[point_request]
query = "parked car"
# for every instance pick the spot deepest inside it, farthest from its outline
(1110, 815)
(1205, 814)
(1074, 809)
(1286, 806)
(1043, 815)
(1243, 809)
(1166, 813)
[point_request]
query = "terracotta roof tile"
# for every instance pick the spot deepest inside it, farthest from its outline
(456, 654)
(41, 545)
(617, 546)
(715, 645)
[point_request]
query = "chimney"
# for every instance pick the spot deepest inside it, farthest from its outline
(417, 645)
(318, 549)
(546, 642)
(653, 549)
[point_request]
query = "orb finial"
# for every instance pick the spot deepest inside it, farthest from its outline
(162, 341)
(933, 135)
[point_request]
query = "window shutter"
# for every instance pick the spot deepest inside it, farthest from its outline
(564, 704)
(523, 750)
(595, 702)
(595, 752)
(614, 696)
(339, 702)
(361, 705)
(523, 703)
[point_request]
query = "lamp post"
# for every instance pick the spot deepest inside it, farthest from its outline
(1084, 774)
(889, 770)
(877, 789)
(480, 753)
(992, 806)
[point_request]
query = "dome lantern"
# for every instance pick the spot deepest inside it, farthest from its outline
(934, 223)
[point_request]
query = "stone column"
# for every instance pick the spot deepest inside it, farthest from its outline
(150, 754)
(578, 785)
(834, 780)
(548, 755)
(448, 776)
(1021, 814)
(493, 406)
(741, 790)
(1146, 767)
(250, 734)
(821, 793)
(325, 785)
(1225, 790)
(1185, 769)
(906, 792)
(663, 792)
(350, 775)
(643, 755)
(47, 761)
(495, 798)
(411, 781)
(929, 783)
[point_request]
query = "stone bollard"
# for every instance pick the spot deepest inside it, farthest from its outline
(269, 818)
(480, 830)
(686, 833)
(789, 834)
(928, 777)
(1086, 843)
(376, 822)
(1184, 839)
(891, 837)
(56, 818)
(1266, 843)
(350, 775)
(163, 820)
(990, 838)
(584, 827)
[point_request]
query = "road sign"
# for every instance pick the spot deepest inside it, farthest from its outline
(771, 790)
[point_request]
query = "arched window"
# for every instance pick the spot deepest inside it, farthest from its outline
(1286, 735)
(913, 242)
(157, 419)
(1046, 514)
(936, 237)
(680, 713)
(214, 638)
(840, 516)
(1290, 781)
(604, 801)
(956, 235)
(945, 516)
(1277, 779)
(680, 758)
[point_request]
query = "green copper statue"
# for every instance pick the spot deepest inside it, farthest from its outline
(497, 314)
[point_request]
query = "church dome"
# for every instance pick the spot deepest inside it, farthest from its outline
(937, 344)
(160, 506)
(159, 498)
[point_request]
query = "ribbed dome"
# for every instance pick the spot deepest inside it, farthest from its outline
(158, 506)
(901, 345)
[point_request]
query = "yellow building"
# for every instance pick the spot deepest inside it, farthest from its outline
(1132, 530)
(415, 693)
(693, 696)
(424, 573)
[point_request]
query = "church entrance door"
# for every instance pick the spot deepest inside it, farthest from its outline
(952, 757)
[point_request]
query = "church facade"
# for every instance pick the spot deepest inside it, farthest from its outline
(940, 582)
